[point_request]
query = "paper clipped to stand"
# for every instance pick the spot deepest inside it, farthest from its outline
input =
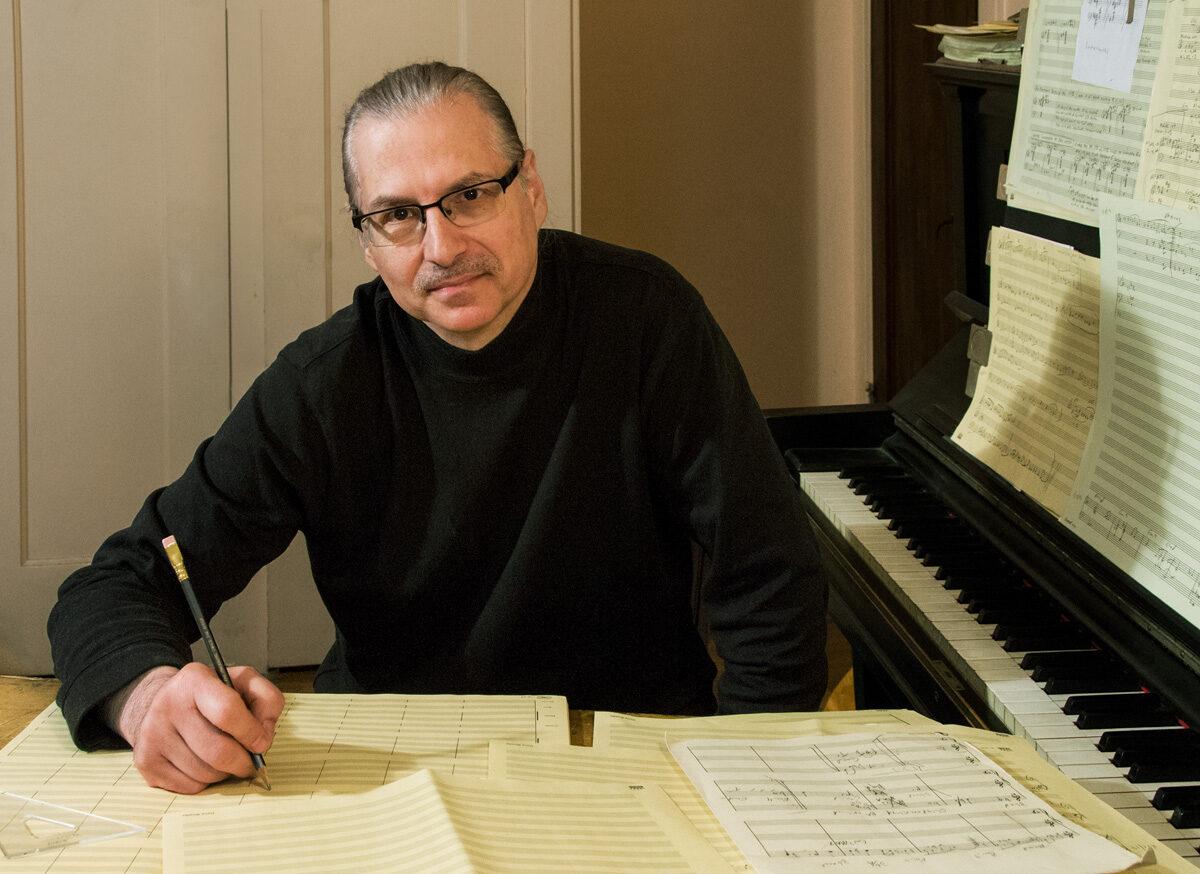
(1106, 47)
(1170, 171)
(1034, 402)
(1135, 498)
(1073, 141)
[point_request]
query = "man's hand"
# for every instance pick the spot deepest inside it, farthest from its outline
(188, 729)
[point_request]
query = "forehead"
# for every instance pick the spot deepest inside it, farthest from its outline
(419, 156)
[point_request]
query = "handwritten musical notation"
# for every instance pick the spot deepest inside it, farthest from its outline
(1135, 499)
(1170, 171)
(883, 801)
(1073, 141)
(1107, 47)
(1035, 401)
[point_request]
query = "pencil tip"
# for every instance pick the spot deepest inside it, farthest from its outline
(262, 775)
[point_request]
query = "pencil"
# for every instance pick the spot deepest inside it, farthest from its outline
(210, 642)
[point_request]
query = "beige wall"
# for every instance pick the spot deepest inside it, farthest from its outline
(998, 10)
(733, 140)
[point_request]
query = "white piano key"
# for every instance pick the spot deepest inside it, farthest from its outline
(1187, 849)
(1163, 830)
(1142, 815)
(1125, 801)
(1032, 707)
(1071, 744)
(981, 649)
(1093, 756)
(1099, 771)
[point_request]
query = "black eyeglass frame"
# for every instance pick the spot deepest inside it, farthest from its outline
(505, 181)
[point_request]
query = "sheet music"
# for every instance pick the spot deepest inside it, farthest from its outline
(1034, 402)
(1107, 46)
(1136, 499)
(323, 744)
(1170, 172)
(590, 765)
(885, 802)
(1073, 141)
(624, 732)
(428, 822)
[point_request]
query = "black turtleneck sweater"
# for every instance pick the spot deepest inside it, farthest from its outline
(513, 520)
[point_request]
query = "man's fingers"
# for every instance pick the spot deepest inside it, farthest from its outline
(226, 711)
(262, 697)
(166, 758)
(206, 746)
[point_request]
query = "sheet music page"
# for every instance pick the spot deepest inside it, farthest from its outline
(1034, 402)
(1170, 172)
(1135, 500)
(1107, 46)
(875, 802)
(625, 732)
(429, 822)
(323, 744)
(590, 765)
(1073, 141)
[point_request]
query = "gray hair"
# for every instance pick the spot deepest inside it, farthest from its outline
(410, 89)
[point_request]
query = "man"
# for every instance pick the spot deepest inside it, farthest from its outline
(500, 456)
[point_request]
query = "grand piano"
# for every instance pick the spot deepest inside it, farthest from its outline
(963, 599)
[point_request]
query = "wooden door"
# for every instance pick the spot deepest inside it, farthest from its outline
(913, 207)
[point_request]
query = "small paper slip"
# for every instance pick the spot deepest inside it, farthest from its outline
(428, 822)
(875, 802)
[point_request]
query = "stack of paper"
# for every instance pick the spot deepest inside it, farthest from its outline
(994, 42)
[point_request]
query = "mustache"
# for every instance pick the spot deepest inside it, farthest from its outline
(428, 278)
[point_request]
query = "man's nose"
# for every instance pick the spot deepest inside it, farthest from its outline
(444, 241)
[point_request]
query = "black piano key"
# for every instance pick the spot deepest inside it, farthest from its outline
(1167, 772)
(912, 507)
(959, 578)
(891, 489)
(1062, 682)
(878, 467)
(1155, 738)
(1138, 702)
(1029, 612)
(916, 513)
(1185, 817)
(1170, 797)
(1123, 758)
(1006, 598)
(1093, 720)
(1032, 628)
(922, 545)
(1070, 636)
(962, 562)
(905, 527)
(1076, 659)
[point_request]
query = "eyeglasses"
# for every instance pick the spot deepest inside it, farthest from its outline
(404, 225)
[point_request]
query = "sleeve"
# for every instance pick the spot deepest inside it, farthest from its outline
(764, 599)
(241, 500)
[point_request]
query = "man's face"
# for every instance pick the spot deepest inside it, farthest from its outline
(465, 283)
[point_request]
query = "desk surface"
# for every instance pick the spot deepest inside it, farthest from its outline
(21, 699)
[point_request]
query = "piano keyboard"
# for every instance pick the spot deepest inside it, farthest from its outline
(943, 553)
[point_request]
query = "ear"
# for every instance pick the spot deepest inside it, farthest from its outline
(533, 187)
(368, 254)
